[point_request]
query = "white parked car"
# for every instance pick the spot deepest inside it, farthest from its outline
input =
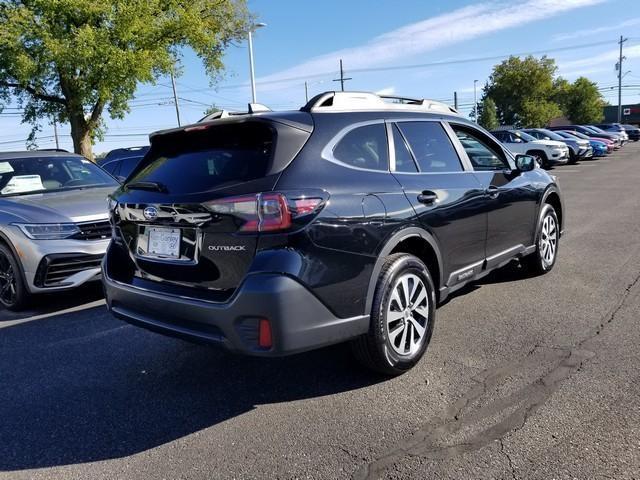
(548, 152)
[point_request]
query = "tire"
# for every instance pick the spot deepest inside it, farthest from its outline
(541, 157)
(547, 241)
(13, 291)
(411, 326)
(573, 158)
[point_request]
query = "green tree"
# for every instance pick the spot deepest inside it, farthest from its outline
(73, 59)
(522, 90)
(488, 117)
(210, 110)
(580, 101)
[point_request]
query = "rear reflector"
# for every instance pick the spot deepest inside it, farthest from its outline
(264, 334)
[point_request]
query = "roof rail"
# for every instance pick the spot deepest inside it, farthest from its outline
(252, 108)
(343, 101)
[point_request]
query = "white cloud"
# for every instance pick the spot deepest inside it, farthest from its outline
(610, 57)
(427, 35)
(386, 91)
(596, 31)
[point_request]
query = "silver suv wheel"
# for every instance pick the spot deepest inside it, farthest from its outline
(407, 314)
(548, 240)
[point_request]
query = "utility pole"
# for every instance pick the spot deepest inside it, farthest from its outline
(306, 92)
(175, 98)
(342, 78)
(455, 100)
(475, 102)
(55, 133)
(619, 67)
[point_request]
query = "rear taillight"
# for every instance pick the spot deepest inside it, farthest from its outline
(267, 212)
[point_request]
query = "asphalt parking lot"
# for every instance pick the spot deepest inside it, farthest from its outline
(524, 378)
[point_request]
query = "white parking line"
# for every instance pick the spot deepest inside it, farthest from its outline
(78, 308)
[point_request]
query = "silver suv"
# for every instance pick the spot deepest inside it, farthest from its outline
(54, 227)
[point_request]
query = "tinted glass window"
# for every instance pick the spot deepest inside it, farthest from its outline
(404, 160)
(112, 167)
(364, 147)
(128, 164)
(431, 147)
(202, 160)
(482, 153)
(21, 176)
(502, 136)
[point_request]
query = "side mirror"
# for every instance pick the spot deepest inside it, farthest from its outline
(525, 163)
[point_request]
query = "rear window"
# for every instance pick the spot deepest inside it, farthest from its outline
(214, 157)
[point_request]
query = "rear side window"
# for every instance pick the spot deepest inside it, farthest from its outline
(364, 147)
(214, 157)
(431, 147)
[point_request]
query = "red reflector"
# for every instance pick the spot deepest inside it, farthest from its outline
(264, 333)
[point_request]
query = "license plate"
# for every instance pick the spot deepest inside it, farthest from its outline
(164, 242)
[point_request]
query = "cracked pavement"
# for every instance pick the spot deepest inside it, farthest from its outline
(524, 378)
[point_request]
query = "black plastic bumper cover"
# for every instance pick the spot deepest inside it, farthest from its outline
(299, 321)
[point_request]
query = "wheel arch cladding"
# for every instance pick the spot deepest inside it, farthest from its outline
(552, 198)
(414, 241)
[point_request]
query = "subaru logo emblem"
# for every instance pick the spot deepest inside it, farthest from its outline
(150, 213)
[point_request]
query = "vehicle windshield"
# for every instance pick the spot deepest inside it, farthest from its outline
(578, 134)
(24, 176)
(551, 135)
(524, 136)
(565, 135)
(594, 129)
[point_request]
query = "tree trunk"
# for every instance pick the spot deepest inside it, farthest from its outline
(81, 135)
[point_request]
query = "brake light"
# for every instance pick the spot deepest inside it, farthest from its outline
(265, 212)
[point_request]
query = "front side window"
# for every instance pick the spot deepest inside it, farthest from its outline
(23, 176)
(431, 147)
(364, 147)
(482, 152)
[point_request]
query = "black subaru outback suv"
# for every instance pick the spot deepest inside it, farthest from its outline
(349, 220)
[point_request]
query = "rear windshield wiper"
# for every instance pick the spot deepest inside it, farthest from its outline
(153, 186)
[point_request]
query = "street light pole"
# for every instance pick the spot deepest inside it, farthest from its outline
(475, 102)
(251, 68)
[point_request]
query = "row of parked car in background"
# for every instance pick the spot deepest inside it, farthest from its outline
(75, 224)
(562, 144)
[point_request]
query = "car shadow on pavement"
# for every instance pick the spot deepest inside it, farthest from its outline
(53, 302)
(84, 387)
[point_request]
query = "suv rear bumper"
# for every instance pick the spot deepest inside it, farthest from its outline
(299, 321)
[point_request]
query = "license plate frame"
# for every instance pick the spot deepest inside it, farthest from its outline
(163, 242)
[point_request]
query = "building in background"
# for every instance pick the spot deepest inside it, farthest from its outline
(630, 114)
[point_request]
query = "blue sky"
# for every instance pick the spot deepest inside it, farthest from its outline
(305, 40)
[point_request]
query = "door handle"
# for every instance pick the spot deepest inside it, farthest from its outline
(427, 197)
(492, 191)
